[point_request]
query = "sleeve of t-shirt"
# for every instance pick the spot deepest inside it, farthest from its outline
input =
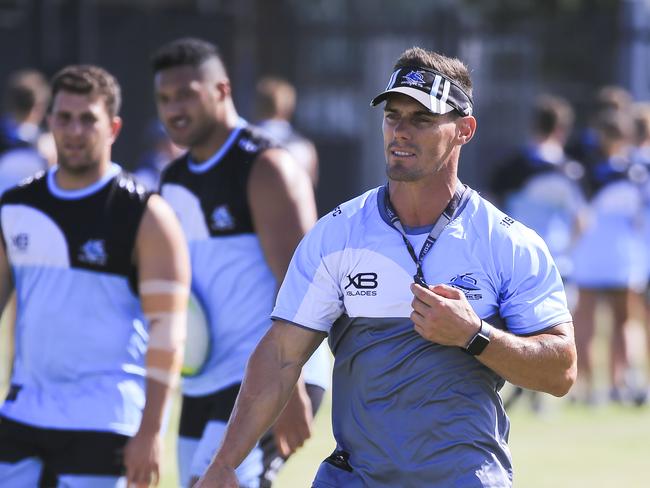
(311, 294)
(532, 295)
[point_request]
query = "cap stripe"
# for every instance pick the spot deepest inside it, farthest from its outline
(445, 92)
(434, 92)
(392, 80)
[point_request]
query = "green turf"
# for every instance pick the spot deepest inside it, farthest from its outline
(565, 446)
(578, 446)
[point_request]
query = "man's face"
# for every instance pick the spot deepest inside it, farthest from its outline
(187, 104)
(83, 131)
(417, 142)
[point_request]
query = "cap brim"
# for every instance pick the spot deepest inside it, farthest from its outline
(431, 104)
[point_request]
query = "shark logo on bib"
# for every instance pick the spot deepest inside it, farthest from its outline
(222, 219)
(93, 252)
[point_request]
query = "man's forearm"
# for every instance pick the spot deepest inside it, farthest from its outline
(266, 388)
(546, 362)
(154, 408)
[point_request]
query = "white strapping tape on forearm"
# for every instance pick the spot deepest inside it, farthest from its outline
(164, 376)
(167, 333)
(163, 287)
(167, 330)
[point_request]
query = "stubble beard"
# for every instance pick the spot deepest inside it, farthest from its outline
(400, 172)
(202, 134)
(409, 174)
(397, 172)
(89, 165)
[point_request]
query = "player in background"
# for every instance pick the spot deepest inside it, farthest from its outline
(640, 155)
(540, 186)
(101, 275)
(275, 103)
(244, 205)
(22, 139)
(610, 255)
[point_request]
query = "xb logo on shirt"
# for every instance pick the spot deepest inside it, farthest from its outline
(94, 252)
(466, 284)
(364, 284)
(222, 219)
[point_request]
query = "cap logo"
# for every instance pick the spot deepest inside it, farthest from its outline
(414, 78)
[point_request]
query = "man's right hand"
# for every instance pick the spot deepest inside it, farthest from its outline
(218, 476)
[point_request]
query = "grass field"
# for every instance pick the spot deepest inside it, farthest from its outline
(568, 446)
(573, 446)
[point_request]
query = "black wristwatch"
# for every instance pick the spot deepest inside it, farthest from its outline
(480, 340)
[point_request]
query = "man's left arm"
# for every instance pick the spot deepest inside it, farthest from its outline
(283, 209)
(163, 280)
(545, 361)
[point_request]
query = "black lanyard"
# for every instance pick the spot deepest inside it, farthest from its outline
(447, 215)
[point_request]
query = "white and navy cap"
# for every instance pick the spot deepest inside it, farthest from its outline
(431, 88)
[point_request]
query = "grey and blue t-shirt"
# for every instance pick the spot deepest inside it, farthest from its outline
(408, 412)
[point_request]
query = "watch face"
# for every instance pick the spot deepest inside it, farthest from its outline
(480, 340)
(477, 345)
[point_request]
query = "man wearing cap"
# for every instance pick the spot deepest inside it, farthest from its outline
(430, 298)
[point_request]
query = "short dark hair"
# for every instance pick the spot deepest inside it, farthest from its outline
(551, 113)
(86, 79)
(188, 51)
(452, 68)
(25, 89)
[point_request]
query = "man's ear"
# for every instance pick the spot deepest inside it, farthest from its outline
(116, 127)
(466, 128)
(223, 89)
